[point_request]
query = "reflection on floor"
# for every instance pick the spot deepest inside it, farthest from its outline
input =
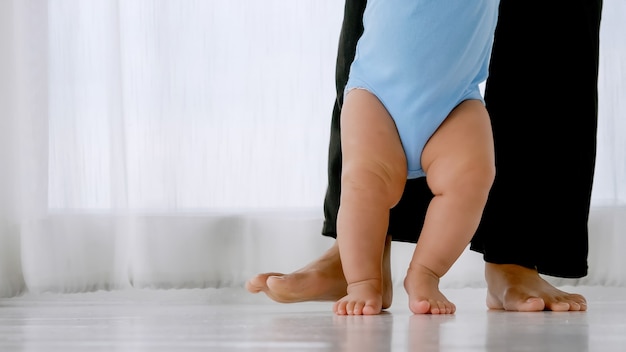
(232, 320)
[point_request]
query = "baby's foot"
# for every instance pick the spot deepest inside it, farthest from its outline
(363, 298)
(422, 285)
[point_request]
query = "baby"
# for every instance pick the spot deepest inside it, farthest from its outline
(413, 108)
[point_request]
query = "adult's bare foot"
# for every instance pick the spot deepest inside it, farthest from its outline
(517, 288)
(320, 280)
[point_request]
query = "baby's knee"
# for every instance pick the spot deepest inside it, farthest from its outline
(471, 180)
(476, 180)
(380, 182)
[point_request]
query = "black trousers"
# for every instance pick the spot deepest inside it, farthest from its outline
(541, 95)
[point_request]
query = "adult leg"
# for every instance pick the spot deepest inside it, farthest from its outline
(323, 279)
(545, 152)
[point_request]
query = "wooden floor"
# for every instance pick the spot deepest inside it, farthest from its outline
(233, 320)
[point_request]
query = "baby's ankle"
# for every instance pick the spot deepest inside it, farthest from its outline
(421, 270)
(375, 284)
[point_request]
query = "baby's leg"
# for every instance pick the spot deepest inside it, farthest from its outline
(460, 168)
(372, 181)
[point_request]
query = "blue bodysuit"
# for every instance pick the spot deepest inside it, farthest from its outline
(422, 58)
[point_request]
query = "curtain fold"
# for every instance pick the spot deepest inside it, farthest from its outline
(23, 133)
(160, 144)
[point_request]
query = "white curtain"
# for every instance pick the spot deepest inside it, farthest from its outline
(169, 144)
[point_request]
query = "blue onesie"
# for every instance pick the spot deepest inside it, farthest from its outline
(422, 58)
